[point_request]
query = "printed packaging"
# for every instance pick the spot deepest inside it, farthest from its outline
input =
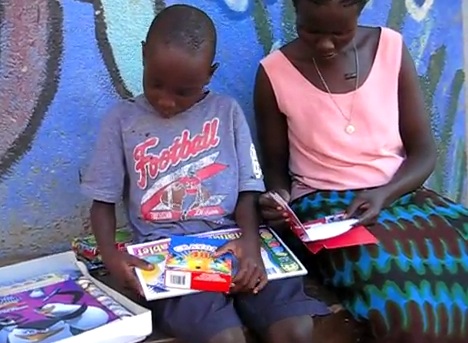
(87, 252)
(190, 264)
(278, 259)
(54, 299)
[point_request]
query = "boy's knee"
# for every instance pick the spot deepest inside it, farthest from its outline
(233, 335)
(297, 329)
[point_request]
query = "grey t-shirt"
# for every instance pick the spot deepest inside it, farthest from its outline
(179, 175)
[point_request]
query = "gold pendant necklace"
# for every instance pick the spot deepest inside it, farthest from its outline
(349, 128)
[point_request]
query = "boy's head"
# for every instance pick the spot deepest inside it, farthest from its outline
(327, 26)
(178, 59)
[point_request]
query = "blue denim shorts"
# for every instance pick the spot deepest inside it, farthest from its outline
(199, 317)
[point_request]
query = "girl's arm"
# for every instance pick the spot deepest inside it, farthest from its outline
(272, 135)
(416, 133)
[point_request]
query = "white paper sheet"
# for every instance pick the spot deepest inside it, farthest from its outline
(318, 232)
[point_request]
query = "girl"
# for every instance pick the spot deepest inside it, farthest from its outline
(342, 126)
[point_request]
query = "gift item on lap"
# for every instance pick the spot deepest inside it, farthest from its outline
(278, 259)
(336, 231)
(86, 249)
(358, 235)
(330, 232)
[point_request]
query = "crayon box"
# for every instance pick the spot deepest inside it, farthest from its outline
(190, 265)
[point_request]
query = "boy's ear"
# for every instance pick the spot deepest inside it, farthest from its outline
(214, 67)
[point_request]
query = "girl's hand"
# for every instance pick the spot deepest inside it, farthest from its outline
(274, 214)
(367, 205)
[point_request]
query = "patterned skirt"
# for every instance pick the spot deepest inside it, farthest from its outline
(411, 287)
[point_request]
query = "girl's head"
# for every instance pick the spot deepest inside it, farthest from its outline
(327, 26)
(178, 59)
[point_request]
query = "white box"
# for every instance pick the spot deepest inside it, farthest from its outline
(125, 330)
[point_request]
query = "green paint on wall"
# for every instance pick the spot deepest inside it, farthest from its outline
(159, 5)
(445, 140)
(263, 26)
(289, 21)
(396, 15)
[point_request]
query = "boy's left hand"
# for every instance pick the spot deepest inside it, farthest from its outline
(251, 275)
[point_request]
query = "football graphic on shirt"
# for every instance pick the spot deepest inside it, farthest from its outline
(185, 193)
(180, 194)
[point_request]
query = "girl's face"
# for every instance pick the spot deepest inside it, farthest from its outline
(326, 29)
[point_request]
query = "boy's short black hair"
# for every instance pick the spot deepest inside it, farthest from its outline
(185, 27)
(359, 3)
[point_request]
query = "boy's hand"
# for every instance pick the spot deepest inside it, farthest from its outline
(274, 214)
(251, 275)
(120, 265)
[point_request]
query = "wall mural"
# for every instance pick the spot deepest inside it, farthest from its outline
(63, 63)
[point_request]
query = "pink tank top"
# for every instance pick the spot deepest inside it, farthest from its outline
(323, 156)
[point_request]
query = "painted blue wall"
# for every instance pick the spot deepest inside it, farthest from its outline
(82, 55)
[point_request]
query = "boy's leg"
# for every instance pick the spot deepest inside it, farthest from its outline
(198, 318)
(281, 312)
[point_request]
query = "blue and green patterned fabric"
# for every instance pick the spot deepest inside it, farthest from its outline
(413, 285)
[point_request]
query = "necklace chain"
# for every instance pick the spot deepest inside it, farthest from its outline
(349, 127)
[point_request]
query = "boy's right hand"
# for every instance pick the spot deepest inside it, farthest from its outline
(120, 265)
(275, 215)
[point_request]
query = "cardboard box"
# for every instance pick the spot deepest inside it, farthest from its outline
(129, 329)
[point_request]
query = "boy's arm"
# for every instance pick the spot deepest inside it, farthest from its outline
(250, 177)
(246, 215)
(103, 180)
(251, 275)
(103, 224)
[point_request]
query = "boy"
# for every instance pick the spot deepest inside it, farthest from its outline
(191, 167)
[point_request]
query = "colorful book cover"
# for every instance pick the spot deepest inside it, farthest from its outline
(52, 308)
(279, 261)
(190, 264)
(85, 248)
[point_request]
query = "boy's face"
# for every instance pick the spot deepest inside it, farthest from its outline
(174, 79)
